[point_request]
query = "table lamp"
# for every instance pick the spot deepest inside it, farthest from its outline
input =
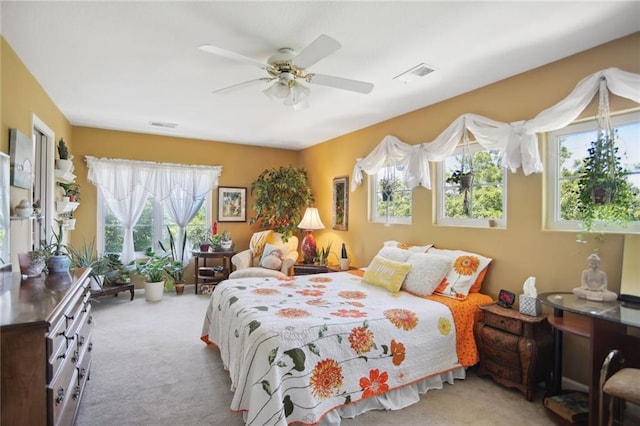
(310, 221)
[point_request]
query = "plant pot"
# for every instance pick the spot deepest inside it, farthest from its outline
(58, 263)
(63, 165)
(602, 194)
(466, 180)
(226, 245)
(204, 247)
(69, 224)
(96, 282)
(179, 288)
(153, 292)
(30, 267)
(344, 263)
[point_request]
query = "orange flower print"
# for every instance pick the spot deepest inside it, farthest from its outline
(375, 384)
(349, 313)
(397, 352)
(466, 265)
(287, 278)
(317, 302)
(356, 304)
(351, 294)
(289, 285)
(265, 291)
(293, 313)
(326, 378)
(402, 318)
(319, 286)
(444, 325)
(309, 292)
(361, 340)
(320, 279)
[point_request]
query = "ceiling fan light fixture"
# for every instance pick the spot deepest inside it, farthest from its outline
(277, 91)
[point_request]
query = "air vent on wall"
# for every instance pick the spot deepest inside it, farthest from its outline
(414, 73)
(165, 125)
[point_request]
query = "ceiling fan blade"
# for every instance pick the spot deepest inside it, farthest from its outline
(235, 87)
(340, 83)
(235, 56)
(318, 49)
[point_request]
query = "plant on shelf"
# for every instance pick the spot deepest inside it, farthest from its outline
(103, 268)
(605, 194)
(71, 190)
(63, 151)
(221, 241)
(200, 237)
(280, 197)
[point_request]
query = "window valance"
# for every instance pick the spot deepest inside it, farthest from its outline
(517, 141)
(118, 178)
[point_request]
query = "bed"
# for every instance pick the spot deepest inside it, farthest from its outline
(314, 348)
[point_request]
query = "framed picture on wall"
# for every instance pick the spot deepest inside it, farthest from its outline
(341, 203)
(232, 204)
(21, 152)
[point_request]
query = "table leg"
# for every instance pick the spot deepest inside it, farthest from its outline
(197, 272)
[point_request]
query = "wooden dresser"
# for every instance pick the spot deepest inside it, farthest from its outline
(515, 349)
(45, 347)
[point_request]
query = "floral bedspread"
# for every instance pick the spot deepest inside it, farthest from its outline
(301, 346)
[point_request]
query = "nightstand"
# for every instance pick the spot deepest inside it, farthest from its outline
(309, 269)
(515, 349)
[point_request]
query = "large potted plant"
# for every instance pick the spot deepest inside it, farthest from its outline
(153, 270)
(58, 259)
(175, 268)
(605, 194)
(280, 197)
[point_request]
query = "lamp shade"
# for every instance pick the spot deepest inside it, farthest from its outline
(311, 219)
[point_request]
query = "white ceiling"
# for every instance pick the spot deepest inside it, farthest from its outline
(121, 65)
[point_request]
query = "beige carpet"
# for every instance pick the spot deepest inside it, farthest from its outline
(150, 368)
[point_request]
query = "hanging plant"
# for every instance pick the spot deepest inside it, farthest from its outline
(463, 177)
(280, 197)
(386, 188)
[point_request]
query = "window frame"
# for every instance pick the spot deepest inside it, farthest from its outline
(373, 202)
(442, 220)
(552, 214)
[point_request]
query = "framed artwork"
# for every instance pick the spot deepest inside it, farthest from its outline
(21, 153)
(232, 204)
(5, 225)
(341, 203)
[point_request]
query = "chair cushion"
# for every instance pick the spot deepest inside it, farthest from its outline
(624, 384)
(255, 271)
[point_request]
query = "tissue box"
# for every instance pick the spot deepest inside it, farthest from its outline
(529, 305)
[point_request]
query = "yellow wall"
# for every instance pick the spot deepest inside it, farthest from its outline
(522, 249)
(22, 97)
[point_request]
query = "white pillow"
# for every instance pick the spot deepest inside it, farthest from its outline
(410, 247)
(427, 272)
(394, 253)
(273, 256)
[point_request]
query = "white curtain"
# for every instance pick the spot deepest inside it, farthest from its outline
(182, 207)
(517, 141)
(126, 184)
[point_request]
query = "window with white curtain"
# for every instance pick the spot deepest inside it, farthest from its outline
(390, 204)
(486, 200)
(565, 150)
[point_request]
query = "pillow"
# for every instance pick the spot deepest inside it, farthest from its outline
(386, 273)
(427, 272)
(467, 267)
(410, 247)
(272, 256)
(394, 253)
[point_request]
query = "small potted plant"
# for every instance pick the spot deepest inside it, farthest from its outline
(153, 270)
(322, 254)
(200, 237)
(71, 190)
(225, 240)
(64, 162)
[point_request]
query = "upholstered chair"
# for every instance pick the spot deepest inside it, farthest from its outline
(248, 262)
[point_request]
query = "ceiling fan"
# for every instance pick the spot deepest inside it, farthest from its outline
(288, 68)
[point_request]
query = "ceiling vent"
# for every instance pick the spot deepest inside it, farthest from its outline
(165, 125)
(414, 73)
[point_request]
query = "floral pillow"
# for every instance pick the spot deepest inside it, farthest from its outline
(411, 247)
(467, 267)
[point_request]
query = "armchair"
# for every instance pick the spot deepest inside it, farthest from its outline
(247, 262)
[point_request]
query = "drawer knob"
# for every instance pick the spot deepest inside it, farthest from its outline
(82, 373)
(90, 320)
(80, 340)
(90, 348)
(76, 392)
(74, 358)
(60, 396)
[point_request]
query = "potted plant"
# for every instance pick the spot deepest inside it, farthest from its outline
(175, 269)
(387, 186)
(463, 177)
(322, 254)
(153, 270)
(225, 240)
(71, 190)
(200, 237)
(64, 162)
(280, 197)
(32, 263)
(58, 259)
(605, 194)
(344, 258)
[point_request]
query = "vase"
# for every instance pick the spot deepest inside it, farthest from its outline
(344, 263)
(153, 291)
(179, 288)
(29, 266)
(58, 263)
(226, 245)
(24, 209)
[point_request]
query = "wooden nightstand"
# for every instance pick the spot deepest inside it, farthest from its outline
(308, 269)
(515, 349)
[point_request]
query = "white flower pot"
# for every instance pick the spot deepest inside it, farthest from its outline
(63, 165)
(153, 291)
(226, 245)
(344, 264)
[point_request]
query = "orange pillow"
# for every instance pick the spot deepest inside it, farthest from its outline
(477, 285)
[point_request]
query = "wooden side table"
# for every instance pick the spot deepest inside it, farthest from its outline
(515, 349)
(208, 274)
(309, 269)
(109, 289)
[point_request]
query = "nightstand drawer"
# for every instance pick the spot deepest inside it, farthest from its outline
(506, 358)
(498, 339)
(504, 372)
(512, 325)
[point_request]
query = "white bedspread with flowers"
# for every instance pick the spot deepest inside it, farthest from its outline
(299, 347)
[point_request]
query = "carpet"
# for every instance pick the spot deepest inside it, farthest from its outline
(149, 367)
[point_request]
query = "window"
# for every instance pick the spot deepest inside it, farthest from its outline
(390, 200)
(485, 204)
(565, 151)
(151, 227)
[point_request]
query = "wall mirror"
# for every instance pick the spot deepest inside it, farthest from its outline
(341, 203)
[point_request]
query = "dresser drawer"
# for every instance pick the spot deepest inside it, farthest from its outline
(499, 339)
(512, 325)
(506, 358)
(61, 389)
(84, 330)
(502, 371)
